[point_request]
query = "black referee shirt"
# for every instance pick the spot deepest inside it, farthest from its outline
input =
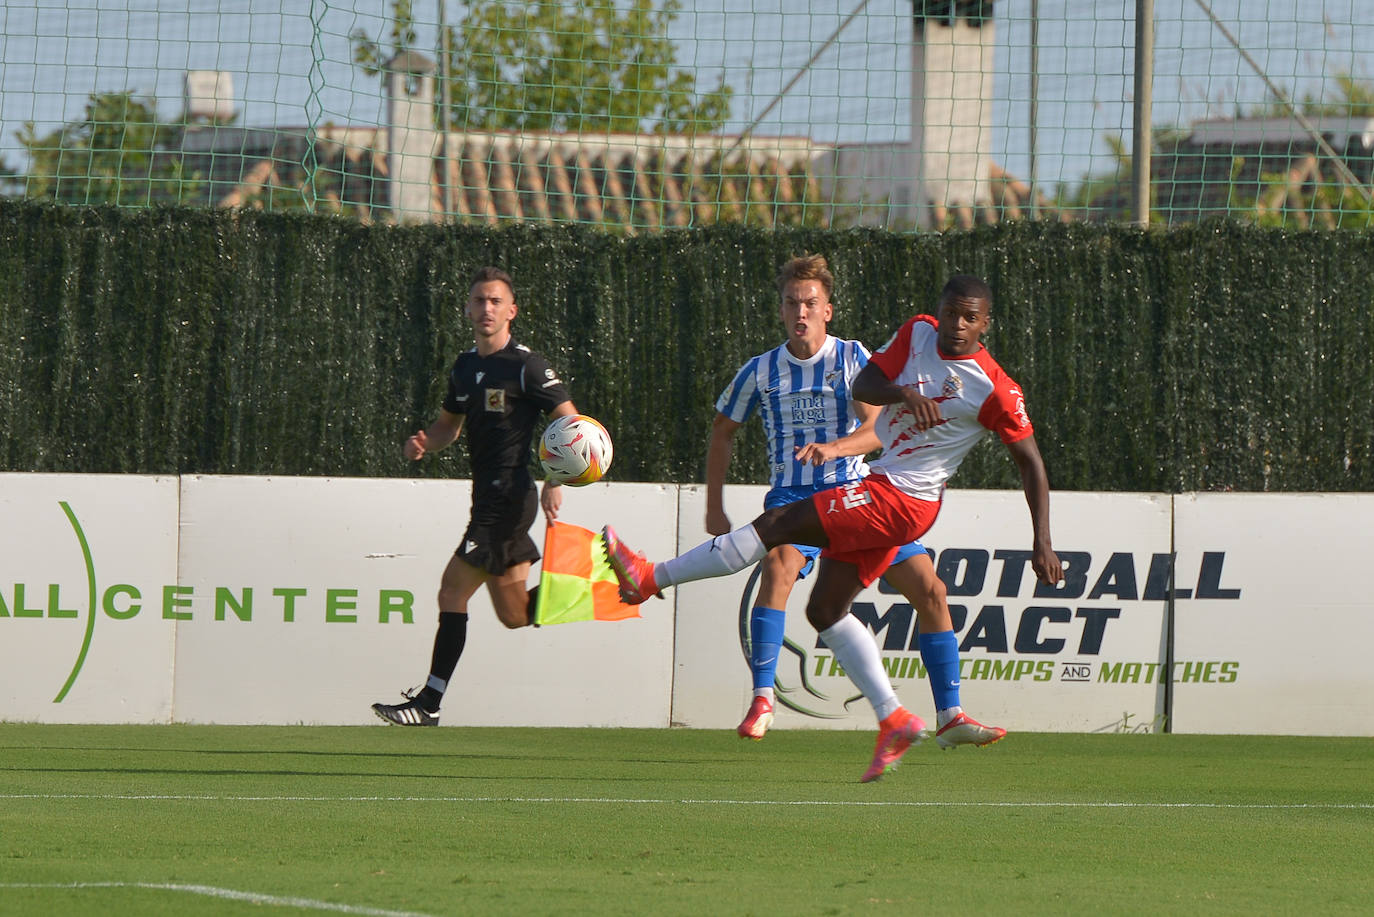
(501, 397)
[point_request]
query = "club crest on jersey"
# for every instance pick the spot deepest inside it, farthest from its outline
(953, 385)
(496, 400)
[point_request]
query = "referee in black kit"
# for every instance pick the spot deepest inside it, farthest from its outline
(497, 390)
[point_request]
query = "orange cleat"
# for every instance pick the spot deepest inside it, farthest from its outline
(634, 573)
(896, 734)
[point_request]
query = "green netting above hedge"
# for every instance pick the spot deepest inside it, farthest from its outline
(216, 342)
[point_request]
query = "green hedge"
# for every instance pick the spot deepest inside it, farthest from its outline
(192, 341)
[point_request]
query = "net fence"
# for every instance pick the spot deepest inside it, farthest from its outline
(639, 115)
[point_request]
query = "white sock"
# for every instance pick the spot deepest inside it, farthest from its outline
(944, 716)
(765, 693)
(857, 652)
(721, 556)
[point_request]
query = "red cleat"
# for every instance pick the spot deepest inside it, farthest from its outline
(757, 720)
(896, 734)
(635, 574)
(965, 730)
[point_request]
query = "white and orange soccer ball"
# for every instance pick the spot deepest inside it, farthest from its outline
(575, 449)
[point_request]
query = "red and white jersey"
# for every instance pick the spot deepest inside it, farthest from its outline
(973, 393)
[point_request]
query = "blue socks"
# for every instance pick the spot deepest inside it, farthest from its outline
(940, 655)
(766, 627)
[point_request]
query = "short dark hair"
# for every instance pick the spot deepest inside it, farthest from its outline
(966, 286)
(807, 267)
(488, 274)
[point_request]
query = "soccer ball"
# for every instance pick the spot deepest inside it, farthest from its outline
(575, 450)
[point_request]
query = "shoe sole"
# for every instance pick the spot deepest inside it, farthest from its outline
(612, 543)
(390, 722)
(622, 573)
(947, 744)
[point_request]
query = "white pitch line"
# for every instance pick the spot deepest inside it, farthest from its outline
(211, 891)
(605, 800)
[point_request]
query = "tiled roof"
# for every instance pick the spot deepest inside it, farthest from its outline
(644, 182)
(631, 182)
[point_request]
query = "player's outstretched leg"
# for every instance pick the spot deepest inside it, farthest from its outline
(411, 713)
(719, 556)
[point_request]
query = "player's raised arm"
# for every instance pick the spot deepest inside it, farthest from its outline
(872, 386)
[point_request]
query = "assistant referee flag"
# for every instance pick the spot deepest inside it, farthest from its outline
(577, 582)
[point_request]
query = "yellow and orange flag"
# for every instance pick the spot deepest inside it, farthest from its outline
(577, 582)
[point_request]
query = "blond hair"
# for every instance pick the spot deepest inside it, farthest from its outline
(807, 267)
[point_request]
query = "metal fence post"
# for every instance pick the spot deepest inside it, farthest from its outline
(1144, 83)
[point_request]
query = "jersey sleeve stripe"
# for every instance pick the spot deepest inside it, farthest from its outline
(740, 398)
(843, 407)
(774, 386)
(892, 356)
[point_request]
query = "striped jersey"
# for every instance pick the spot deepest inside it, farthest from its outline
(974, 395)
(801, 401)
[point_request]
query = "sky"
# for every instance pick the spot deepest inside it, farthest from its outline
(293, 68)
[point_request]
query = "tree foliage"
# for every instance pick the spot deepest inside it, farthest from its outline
(1354, 98)
(561, 65)
(117, 153)
(1107, 196)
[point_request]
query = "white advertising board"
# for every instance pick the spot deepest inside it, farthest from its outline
(341, 576)
(1273, 635)
(1084, 656)
(128, 599)
(711, 681)
(83, 637)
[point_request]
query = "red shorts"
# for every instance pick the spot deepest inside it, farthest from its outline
(867, 522)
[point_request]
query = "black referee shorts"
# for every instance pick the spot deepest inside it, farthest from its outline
(498, 535)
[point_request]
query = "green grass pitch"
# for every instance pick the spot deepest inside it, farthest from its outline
(149, 820)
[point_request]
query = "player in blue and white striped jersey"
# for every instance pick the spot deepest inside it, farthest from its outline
(803, 399)
(817, 437)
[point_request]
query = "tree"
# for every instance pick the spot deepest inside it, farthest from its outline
(1296, 195)
(561, 66)
(118, 153)
(1354, 99)
(1308, 191)
(1101, 196)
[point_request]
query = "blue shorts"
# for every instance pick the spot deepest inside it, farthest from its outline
(781, 496)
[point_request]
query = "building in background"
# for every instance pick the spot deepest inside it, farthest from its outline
(1269, 169)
